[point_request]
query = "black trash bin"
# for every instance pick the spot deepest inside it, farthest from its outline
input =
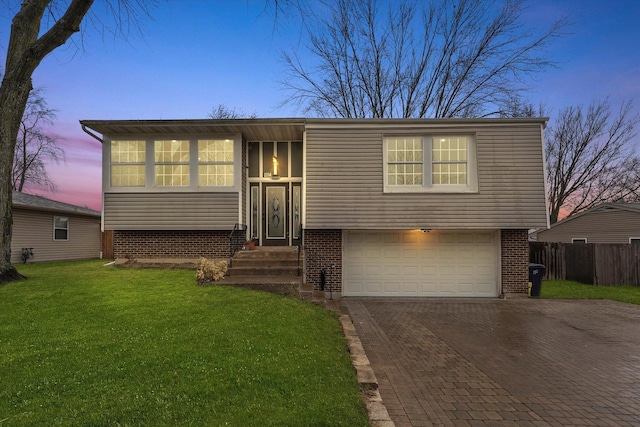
(536, 271)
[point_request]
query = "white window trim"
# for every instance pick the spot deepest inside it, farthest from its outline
(579, 240)
(427, 164)
(634, 238)
(193, 186)
(66, 218)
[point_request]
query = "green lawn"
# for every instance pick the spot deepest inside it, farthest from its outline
(86, 345)
(569, 289)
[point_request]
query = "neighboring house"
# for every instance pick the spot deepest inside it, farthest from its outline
(54, 231)
(605, 223)
(389, 207)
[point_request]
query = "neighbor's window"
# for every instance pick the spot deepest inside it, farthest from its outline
(438, 163)
(60, 228)
(215, 162)
(634, 240)
(580, 240)
(128, 163)
(171, 163)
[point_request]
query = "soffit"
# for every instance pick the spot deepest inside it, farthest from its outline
(251, 129)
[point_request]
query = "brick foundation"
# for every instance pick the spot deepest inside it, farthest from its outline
(515, 262)
(323, 248)
(170, 244)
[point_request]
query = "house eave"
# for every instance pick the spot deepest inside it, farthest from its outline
(251, 129)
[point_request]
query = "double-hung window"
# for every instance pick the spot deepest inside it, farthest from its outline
(215, 162)
(128, 163)
(60, 228)
(430, 163)
(171, 163)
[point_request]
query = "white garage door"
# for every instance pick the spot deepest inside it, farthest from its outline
(412, 263)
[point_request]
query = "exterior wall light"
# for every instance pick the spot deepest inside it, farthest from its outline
(274, 173)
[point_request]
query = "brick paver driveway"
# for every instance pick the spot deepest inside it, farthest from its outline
(497, 362)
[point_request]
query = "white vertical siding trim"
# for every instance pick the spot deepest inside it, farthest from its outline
(546, 178)
(304, 179)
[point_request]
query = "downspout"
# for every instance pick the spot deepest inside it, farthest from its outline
(96, 137)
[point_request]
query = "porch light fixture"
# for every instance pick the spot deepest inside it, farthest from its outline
(274, 172)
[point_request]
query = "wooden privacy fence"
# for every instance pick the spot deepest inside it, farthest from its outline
(592, 263)
(107, 244)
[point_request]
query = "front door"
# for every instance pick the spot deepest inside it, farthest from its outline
(275, 221)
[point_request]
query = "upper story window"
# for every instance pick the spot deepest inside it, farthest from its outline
(60, 228)
(449, 160)
(128, 163)
(435, 163)
(171, 163)
(215, 162)
(404, 161)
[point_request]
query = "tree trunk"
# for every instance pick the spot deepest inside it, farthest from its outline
(25, 51)
(12, 97)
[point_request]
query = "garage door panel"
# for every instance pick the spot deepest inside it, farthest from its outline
(413, 263)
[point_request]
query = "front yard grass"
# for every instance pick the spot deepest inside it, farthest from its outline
(576, 290)
(86, 345)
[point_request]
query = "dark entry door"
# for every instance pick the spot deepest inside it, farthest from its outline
(275, 218)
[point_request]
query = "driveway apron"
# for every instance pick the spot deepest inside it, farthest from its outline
(503, 362)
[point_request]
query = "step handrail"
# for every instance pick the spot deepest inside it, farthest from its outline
(237, 239)
(300, 244)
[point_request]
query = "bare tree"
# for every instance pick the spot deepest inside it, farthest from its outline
(37, 29)
(591, 158)
(517, 106)
(222, 111)
(35, 147)
(450, 58)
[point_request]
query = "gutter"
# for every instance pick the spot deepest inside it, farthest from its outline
(91, 134)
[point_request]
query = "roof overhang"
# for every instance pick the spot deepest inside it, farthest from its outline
(251, 129)
(278, 129)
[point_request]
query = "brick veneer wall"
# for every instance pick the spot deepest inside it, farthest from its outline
(515, 262)
(323, 248)
(170, 244)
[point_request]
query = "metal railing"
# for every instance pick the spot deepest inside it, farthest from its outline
(300, 245)
(237, 239)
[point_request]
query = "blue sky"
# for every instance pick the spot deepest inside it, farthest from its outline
(195, 54)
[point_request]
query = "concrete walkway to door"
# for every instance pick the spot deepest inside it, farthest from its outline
(503, 362)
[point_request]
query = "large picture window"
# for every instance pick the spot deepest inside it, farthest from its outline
(128, 163)
(215, 162)
(171, 163)
(430, 163)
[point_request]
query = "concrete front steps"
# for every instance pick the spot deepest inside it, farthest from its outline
(275, 269)
(271, 269)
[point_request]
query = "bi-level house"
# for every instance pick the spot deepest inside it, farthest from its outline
(388, 207)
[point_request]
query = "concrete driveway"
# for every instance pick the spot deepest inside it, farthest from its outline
(503, 362)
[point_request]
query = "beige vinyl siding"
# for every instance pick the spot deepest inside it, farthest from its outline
(34, 229)
(344, 173)
(609, 226)
(170, 211)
